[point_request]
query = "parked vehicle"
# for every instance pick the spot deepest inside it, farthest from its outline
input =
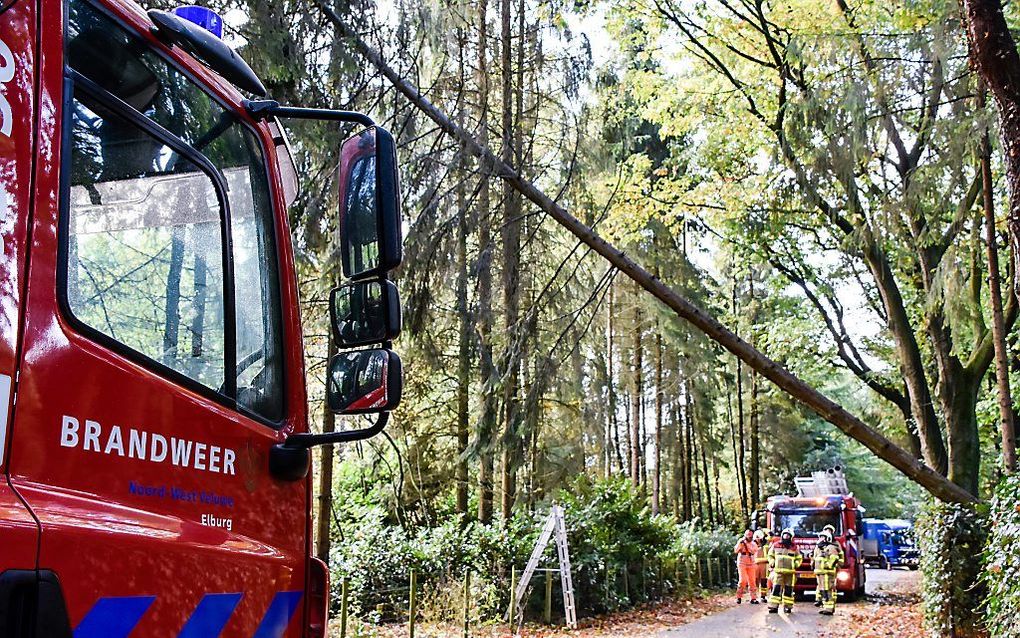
(154, 445)
(889, 543)
(823, 499)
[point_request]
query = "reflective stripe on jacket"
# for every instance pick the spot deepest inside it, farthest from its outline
(785, 561)
(827, 557)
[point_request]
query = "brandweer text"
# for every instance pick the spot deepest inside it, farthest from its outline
(146, 446)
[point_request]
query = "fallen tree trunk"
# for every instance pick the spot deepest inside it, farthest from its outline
(882, 447)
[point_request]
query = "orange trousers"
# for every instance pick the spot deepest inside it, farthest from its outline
(748, 580)
(764, 585)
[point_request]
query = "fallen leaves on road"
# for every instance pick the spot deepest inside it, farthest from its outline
(882, 619)
(894, 610)
(645, 620)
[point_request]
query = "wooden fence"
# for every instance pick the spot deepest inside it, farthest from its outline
(623, 586)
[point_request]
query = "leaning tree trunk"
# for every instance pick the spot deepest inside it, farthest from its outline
(826, 408)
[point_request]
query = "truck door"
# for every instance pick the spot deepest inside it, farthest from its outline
(158, 332)
(18, 41)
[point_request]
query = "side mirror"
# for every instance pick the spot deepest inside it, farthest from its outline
(370, 231)
(364, 381)
(365, 312)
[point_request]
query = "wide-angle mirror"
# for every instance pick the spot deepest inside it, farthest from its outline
(370, 232)
(364, 381)
(365, 312)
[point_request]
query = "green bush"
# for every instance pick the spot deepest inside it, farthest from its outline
(951, 539)
(610, 533)
(1002, 565)
(377, 559)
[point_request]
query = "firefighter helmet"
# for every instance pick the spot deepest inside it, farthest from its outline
(759, 536)
(830, 528)
(825, 536)
(787, 533)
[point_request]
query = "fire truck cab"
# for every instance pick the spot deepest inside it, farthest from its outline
(154, 445)
(823, 499)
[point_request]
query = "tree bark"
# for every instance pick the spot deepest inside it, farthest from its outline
(198, 318)
(463, 316)
(994, 54)
(739, 457)
(688, 454)
(676, 457)
(657, 452)
(614, 423)
(741, 488)
(707, 482)
(755, 484)
(325, 504)
(172, 321)
(486, 366)
(511, 241)
(832, 412)
(1006, 417)
(637, 394)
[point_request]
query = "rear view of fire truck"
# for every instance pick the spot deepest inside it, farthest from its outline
(154, 444)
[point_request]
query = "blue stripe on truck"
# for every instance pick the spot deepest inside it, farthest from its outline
(277, 617)
(113, 617)
(211, 615)
(116, 617)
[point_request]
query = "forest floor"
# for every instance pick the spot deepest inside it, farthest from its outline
(892, 608)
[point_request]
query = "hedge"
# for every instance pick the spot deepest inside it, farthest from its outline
(952, 539)
(1002, 562)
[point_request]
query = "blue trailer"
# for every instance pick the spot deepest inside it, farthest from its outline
(888, 543)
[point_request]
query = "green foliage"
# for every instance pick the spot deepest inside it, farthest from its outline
(378, 557)
(609, 523)
(610, 529)
(1002, 567)
(951, 538)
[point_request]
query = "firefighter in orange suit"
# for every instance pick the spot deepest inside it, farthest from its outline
(761, 564)
(783, 562)
(746, 549)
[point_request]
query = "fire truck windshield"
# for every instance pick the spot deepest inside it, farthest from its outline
(807, 522)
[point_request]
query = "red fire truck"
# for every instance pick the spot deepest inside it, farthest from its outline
(822, 499)
(154, 441)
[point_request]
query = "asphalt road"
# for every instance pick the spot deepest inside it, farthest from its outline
(753, 621)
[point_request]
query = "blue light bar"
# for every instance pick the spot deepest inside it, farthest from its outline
(203, 17)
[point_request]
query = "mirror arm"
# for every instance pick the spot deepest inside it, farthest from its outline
(305, 441)
(265, 109)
